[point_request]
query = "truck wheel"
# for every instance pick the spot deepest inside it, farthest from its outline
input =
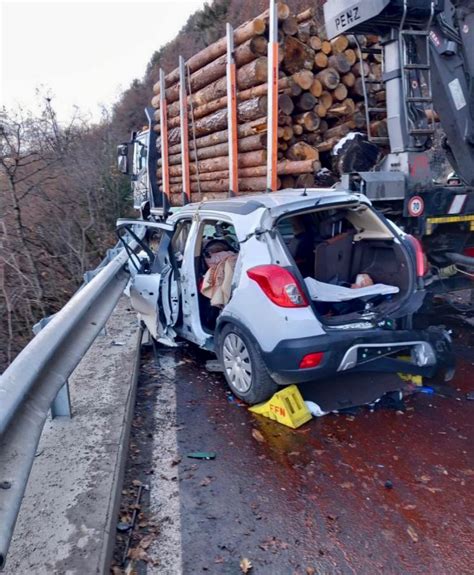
(243, 366)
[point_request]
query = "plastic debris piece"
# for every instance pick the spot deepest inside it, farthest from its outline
(315, 409)
(235, 400)
(257, 435)
(391, 400)
(412, 533)
(470, 396)
(245, 565)
(426, 389)
(286, 406)
(202, 455)
(388, 484)
(214, 366)
(123, 527)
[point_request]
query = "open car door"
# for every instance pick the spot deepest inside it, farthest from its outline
(155, 290)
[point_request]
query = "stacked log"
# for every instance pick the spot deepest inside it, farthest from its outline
(321, 100)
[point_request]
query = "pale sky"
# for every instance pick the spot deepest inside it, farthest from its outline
(84, 52)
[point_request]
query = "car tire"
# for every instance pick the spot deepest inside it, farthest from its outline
(243, 366)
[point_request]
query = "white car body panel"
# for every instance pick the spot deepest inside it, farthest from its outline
(267, 322)
(191, 328)
(144, 295)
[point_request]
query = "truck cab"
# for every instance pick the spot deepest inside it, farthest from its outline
(132, 158)
(140, 179)
(137, 159)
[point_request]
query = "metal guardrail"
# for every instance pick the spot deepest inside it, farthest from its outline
(30, 384)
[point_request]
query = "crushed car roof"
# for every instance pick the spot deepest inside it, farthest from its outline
(248, 203)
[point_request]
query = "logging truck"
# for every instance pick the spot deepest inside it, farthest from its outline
(283, 102)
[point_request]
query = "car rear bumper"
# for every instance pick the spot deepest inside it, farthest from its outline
(424, 352)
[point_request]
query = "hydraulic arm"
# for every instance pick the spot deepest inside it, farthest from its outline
(429, 64)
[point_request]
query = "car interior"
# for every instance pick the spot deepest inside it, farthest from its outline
(349, 249)
(217, 241)
(342, 251)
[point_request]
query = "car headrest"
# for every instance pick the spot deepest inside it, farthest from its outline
(331, 226)
(225, 246)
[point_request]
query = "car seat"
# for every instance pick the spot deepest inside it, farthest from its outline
(209, 313)
(301, 245)
(333, 256)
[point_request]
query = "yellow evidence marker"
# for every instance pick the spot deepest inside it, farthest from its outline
(287, 407)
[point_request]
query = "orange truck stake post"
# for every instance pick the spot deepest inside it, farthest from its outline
(183, 113)
(272, 116)
(164, 144)
(232, 115)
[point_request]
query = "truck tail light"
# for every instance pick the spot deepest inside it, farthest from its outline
(279, 285)
(311, 360)
(421, 260)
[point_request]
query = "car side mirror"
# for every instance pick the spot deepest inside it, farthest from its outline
(122, 158)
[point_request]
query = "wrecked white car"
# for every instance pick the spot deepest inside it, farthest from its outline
(287, 287)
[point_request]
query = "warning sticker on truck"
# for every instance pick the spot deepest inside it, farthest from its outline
(416, 206)
(457, 94)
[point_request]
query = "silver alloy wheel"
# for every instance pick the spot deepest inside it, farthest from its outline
(237, 363)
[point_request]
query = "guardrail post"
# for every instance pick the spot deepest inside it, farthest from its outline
(61, 406)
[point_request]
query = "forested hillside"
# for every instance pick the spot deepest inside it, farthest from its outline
(60, 192)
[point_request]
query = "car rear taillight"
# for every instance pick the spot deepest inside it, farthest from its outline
(279, 285)
(311, 360)
(421, 260)
(469, 252)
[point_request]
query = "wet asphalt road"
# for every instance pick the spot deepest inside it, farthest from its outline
(386, 491)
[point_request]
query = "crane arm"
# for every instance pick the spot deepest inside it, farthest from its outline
(452, 73)
(447, 28)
